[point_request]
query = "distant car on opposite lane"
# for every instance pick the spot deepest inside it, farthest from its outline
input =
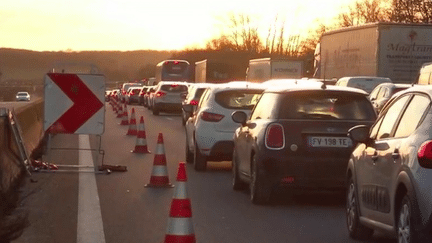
(22, 96)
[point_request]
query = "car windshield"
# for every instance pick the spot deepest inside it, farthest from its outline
(328, 105)
(238, 99)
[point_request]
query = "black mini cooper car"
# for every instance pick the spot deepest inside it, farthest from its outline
(296, 136)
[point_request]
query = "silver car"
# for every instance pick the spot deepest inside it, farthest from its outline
(389, 173)
(383, 92)
(168, 96)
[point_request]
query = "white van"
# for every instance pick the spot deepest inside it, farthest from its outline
(425, 74)
(366, 83)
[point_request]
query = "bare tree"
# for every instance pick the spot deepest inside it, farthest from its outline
(223, 42)
(241, 30)
(364, 11)
(411, 11)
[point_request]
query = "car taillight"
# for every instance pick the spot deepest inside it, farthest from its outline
(424, 155)
(193, 102)
(211, 117)
(275, 138)
(160, 94)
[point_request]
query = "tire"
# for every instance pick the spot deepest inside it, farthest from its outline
(200, 160)
(155, 111)
(189, 154)
(183, 119)
(259, 191)
(405, 224)
(237, 184)
(355, 229)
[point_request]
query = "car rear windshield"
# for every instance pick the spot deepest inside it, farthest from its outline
(326, 105)
(238, 99)
(174, 88)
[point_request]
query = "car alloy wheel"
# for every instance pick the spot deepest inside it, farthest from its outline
(404, 228)
(259, 193)
(237, 184)
(355, 229)
(200, 160)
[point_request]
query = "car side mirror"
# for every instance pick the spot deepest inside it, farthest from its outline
(360, 134)
(239, 117)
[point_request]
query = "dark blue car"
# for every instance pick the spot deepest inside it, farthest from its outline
(296, 137)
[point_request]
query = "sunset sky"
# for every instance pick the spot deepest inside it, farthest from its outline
(48, 25)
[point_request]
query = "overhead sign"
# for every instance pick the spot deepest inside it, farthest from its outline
(74, 103)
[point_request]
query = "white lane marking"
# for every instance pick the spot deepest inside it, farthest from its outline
(90, 226)
(169, 118)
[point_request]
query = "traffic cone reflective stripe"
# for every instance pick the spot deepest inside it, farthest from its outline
(132, 124)
(180, 230)
(125, 120)
(180, 227)
(120, 112)
(141, 142)
(159, 176)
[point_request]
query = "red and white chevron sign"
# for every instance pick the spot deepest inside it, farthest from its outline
(74, 103)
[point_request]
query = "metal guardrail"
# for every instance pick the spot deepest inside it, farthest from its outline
(17, 136)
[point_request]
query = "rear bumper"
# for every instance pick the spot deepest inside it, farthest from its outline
(221, 151)
(217, 146)
(306, 173)
(167, 106)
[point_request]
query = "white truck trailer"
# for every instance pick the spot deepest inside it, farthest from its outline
(264, 69)
(393, 50)
(213, 71)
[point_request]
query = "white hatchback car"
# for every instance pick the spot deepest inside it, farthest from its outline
(210, 129)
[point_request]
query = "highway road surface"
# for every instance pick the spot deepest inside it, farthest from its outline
(87, 207)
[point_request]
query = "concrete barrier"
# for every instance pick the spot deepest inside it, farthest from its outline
(13, 220)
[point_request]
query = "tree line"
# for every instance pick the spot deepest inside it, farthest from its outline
(241, 33)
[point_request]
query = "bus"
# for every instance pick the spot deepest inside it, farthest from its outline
(172, 70)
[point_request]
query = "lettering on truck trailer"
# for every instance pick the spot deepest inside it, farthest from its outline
(286, 70)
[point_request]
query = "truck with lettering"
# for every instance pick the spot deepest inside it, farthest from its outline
(213, 71)
(393, 50)
(264, 69)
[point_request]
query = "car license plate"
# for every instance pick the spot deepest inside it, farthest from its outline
(338, 142)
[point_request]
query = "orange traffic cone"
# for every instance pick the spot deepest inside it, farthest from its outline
(132, 124)
(120, 112)
(141, 142)
(115, 105)
(125, 117)
(180, 228)
(159, 176)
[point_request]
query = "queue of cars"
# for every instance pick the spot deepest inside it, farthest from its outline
(374, 145)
